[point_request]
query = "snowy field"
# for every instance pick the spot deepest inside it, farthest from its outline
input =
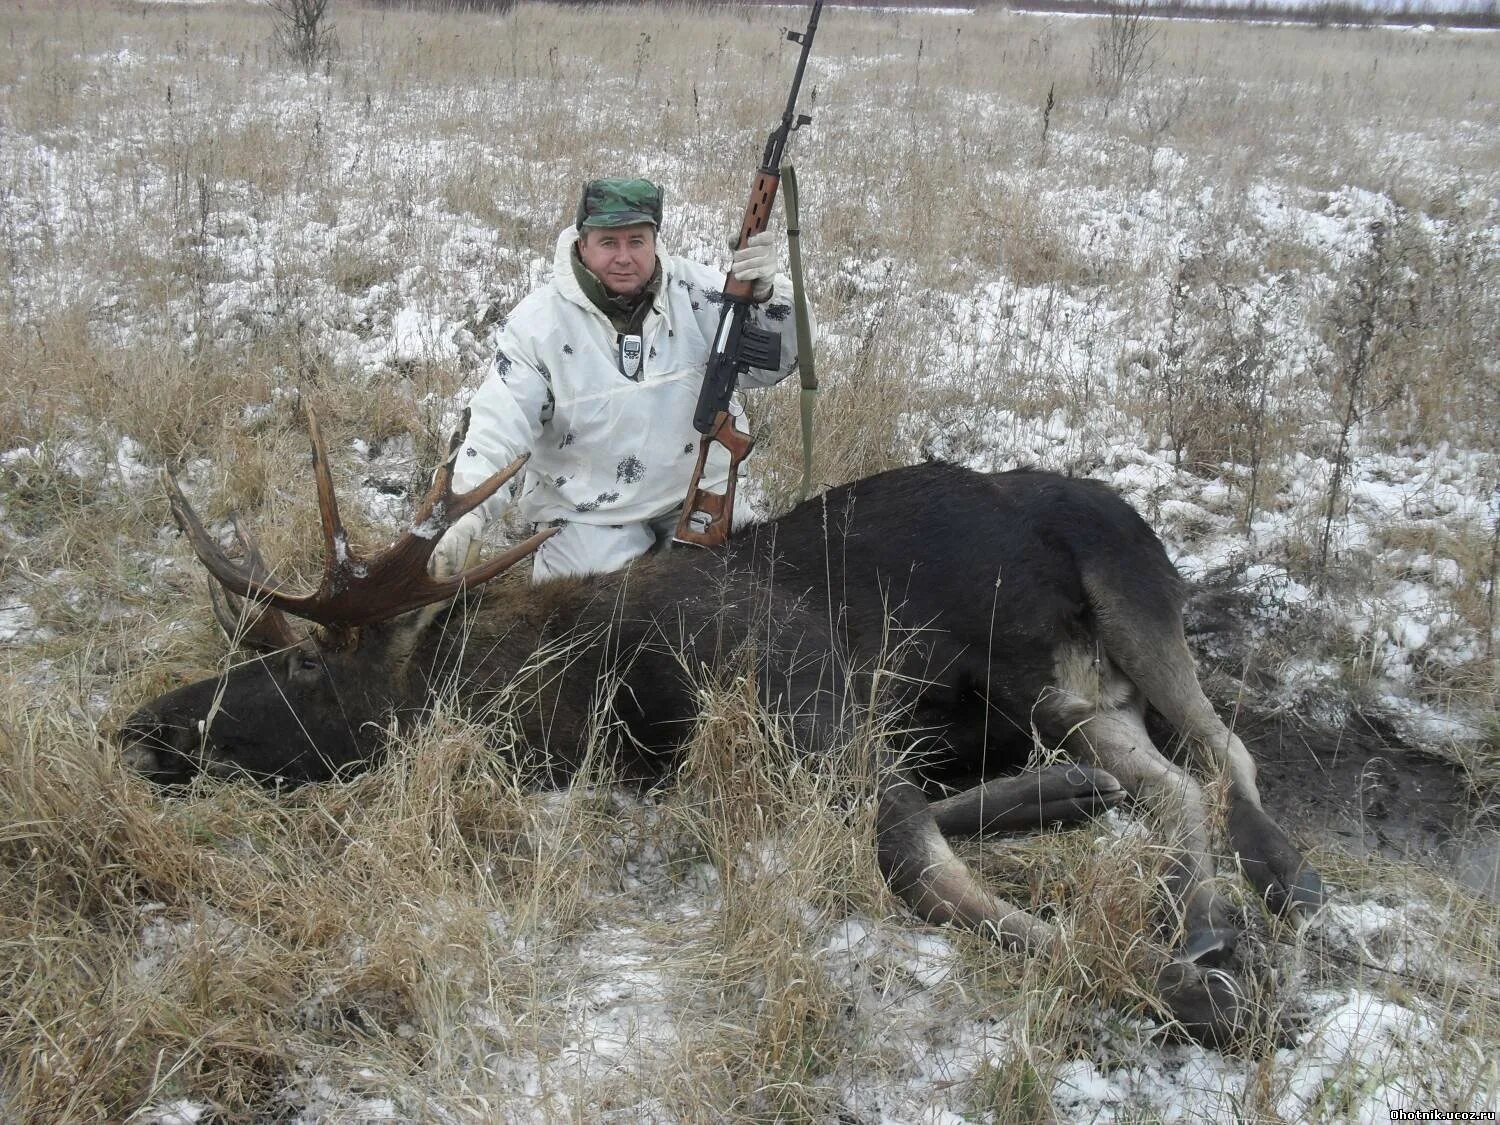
(1252, 281)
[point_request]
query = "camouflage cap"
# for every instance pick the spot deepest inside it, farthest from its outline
(619, 203)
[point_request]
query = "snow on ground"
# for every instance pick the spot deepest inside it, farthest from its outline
(17, 622)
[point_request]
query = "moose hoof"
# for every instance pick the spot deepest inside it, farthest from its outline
(1210, 945)
(1070, 792)
(1273, 864)
(1207, 1003)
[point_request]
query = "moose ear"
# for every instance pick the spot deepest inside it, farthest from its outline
(403, 634)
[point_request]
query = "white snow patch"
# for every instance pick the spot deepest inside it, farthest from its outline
(417, 335)
(17, 621)
(180, 1112)
(133, 472)
(929, 959)
(1361, 1059)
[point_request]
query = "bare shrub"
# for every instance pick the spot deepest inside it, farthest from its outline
(1122, 52)
(1156, 111)
(1449, 266)
(303, 30)
(1216, 375)
(1047, 120)
(1370, 322)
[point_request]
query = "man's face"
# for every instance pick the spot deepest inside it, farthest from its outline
(622, 257)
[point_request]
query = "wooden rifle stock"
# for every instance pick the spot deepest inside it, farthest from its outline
(707, 517)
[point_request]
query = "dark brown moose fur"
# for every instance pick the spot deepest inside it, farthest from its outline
(1003, 603)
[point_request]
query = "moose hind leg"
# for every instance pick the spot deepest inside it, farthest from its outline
(1144, 638)
(939, 887)
(1115, 739)
(1273, 864)
(923, 871)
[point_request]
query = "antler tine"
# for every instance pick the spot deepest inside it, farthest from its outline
(354, 590)
(238, 578)
(255, 562)
(255, 625)
(246, 623)
(247, 579)
(335, 539)
(396, 579)
(440, 501)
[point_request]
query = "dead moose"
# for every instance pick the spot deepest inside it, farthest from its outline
(1027, 602)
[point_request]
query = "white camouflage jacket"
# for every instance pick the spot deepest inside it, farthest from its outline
(606, 449)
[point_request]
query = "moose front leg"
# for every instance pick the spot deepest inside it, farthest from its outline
(1063, 793)
(923, 871)
(920, 866)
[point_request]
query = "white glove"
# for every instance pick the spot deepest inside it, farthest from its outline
(458, 545)
(758, 263)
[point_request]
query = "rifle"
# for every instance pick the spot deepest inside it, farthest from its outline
(739, 346)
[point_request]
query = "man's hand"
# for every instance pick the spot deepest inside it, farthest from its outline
(757, 263)
(458, 544)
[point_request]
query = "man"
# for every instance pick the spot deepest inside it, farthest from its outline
(597, 375)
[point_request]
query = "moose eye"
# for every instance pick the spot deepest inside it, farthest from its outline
(303, 663)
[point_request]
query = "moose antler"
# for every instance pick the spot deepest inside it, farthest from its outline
(257, 627)
(356, 590)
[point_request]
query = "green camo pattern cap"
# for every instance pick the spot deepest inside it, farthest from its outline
(619, 203)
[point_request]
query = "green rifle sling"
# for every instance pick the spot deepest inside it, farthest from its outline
(804, 327)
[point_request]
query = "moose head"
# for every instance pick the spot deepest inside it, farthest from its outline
(311, 703)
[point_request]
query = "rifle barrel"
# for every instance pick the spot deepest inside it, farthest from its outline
(777, 144)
